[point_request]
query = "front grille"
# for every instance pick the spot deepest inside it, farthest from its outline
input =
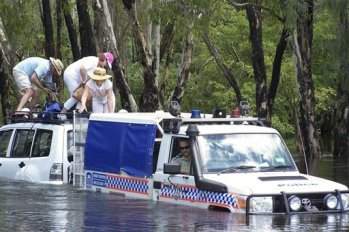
(316, 201)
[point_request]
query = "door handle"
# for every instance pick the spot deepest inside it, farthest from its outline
(21, 164)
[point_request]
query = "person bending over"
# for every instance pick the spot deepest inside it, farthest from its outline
(30, 75)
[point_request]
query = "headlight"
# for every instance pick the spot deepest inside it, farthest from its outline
(331, 201)
(294, 202)
(345, 200)
(261, 205)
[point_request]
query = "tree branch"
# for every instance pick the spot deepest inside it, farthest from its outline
(244, 5)
(229, 76)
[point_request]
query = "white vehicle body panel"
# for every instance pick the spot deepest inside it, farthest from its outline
(249, 183)
(37, 169)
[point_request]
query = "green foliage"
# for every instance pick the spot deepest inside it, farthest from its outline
(228, 29)
(25, 29)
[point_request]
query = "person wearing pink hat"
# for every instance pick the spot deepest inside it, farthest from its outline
(75, 75)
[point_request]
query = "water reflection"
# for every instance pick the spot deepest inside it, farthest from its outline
(34, 207)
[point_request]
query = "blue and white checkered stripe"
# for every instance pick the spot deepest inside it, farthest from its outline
(127, 184)
(189, 193)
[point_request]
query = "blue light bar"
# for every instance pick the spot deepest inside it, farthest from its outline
(195, 113)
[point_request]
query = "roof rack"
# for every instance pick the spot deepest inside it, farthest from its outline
(172, 125)
(43, 117)
(239, 120)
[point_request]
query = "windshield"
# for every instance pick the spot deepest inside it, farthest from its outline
(244, 152)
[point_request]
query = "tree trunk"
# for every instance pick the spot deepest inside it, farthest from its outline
(184, 73)
(166, 39)
(228, 74)
(164, 79)
(59, 29)
(149, 99)
(71, 30)
(48, 29)
(341, 131)
(60, 83)
(255, 22)
(106, 38)
(275, 77)
(149, 25)
(303, 51)
(7, 60)
(87, 39)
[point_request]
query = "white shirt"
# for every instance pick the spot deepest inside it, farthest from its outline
(89, 63)
(99, 93)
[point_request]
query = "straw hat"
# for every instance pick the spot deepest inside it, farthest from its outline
(99, 74)
(57, 64)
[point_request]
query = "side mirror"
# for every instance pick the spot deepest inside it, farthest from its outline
(172, 168)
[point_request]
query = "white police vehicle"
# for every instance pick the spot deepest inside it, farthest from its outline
(237, 165)
(36, 149)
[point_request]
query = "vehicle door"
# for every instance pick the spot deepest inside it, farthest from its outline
(175, 187)
(5, 146)
(38, 165)
(20, 152)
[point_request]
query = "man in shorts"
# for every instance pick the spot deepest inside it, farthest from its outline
(30, 75)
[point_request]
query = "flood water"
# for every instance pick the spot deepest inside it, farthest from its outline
(36, 207)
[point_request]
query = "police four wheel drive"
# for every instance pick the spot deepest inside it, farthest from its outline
(234, 164)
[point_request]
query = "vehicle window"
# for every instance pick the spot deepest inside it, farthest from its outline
(42, 143)
(244, 152)
(181, 154)
(5, 137)
(22, 143)
(156, 150)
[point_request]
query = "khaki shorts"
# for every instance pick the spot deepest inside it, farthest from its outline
(22, 80)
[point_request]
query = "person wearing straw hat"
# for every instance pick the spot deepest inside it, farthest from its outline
(75, 76)
(100, 88)
(30, 75)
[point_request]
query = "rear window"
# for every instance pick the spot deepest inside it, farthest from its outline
(22, 143)
(5, 137)
(42, 143)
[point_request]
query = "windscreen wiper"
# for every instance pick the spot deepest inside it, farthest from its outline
(236, 168)
(277, 167)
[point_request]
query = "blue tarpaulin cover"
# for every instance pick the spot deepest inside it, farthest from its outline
(119, 146)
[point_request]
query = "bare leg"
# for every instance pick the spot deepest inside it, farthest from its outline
(33, 100)
(27, 94)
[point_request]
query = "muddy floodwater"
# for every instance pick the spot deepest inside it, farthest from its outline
(36, 207)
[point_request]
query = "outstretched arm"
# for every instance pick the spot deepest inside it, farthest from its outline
(34, 79)
(83, 74)
(84, 99)
(111, 101)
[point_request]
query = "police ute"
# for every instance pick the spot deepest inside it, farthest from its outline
(236, 164)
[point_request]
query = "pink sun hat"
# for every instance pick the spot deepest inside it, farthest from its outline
(110, 58)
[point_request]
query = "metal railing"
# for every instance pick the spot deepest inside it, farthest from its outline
(80, 124)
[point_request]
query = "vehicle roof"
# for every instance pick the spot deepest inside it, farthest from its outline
(206, 125)
(35, 124)
(143, 117)
(229, 128)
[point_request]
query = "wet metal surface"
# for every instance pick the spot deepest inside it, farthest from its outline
(35, 207)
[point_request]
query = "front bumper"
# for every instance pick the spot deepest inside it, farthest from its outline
(314, 203)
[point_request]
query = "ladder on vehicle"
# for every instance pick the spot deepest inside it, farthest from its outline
(80, 124)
